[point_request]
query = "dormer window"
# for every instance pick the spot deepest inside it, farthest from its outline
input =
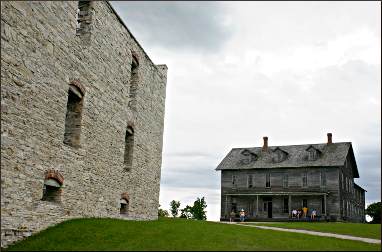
(279, 155)
(248, 157)
(313, 153)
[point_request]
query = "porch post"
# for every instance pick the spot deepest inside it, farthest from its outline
(257, 205)
(289, 205)
(326, 214)
(226, 206)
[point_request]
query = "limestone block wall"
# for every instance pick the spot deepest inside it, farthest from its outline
(42, 53)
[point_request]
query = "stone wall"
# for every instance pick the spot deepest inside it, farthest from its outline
(42, 53)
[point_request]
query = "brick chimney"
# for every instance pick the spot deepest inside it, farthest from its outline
(329, 138)
(265, 146)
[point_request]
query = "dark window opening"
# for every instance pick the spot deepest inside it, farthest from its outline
(304, 203)
(250, 181)
(268, 180)
(265, 206)
(323, 205)
(133, 81)
(124, 206)
(234, 178)
(286, 205)
(84, 15)
(305, 179)
(285, 180)
(51, 191)
(73, 117)
(323, 178)
(129, 146)
(234, 207)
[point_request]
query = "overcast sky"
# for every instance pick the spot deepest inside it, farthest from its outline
(238, 71)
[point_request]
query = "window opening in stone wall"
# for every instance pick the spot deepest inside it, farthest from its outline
(84, 16)
(124, 206)
(268, 180)
(133, 81)
(323, 178)
(305, 179)
(286, 205)
(51, 191)
(250, 181)
(73, 117)
(285, 180)
(129, 146)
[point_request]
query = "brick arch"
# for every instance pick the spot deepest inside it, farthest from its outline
(125, 196)
(56, 175)
(79, 85)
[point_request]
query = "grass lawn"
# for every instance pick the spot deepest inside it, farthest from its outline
(355, 229)
(174, 234)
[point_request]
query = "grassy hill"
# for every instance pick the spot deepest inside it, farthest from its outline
(174, 234)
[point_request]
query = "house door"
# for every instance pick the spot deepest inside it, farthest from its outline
(269, 209)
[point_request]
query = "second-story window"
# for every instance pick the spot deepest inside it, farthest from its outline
(84, 17)
(129, 147)
(73, 117)
(305, 179)
(250, 181)
(323, 178)
(342, 181)
(268, 180)
(285, 180)
(234, 180)
(134, 79)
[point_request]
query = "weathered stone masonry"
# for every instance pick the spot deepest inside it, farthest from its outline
(45, 53)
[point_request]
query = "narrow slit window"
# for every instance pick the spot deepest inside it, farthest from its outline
(73, 117)
(133, 81)
(129, 146)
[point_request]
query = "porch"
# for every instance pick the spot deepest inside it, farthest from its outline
(275, 206)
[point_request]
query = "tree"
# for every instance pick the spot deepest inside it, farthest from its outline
(374, 211)
(198, 209)
(186, 212)
(174, 208)
(162, 213)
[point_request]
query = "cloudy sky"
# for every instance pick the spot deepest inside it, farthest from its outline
(238, 71)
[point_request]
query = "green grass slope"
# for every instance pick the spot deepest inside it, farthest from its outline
(174, 234)
(354, 229)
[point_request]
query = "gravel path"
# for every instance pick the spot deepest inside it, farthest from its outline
(339, 236)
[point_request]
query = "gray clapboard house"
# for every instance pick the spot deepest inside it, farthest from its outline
(269, 182)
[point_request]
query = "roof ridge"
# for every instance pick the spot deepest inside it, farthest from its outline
(275, 146)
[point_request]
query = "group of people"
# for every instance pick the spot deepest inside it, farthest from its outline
(298, 213)
(233, 214)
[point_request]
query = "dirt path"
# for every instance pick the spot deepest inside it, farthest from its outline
(339, 236)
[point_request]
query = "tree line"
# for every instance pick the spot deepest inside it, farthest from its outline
(196, 211)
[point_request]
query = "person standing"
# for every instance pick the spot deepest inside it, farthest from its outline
(242, 215)
(232, 216)
(305, 211)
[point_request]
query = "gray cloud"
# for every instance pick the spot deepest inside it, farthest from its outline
(176, 25)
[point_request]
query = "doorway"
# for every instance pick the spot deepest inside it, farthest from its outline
(268, 206)
(269, 209)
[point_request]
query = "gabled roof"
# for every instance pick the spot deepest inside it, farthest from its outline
(333, 154)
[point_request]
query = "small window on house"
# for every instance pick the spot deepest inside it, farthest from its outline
(268, 180)
(286, 205)
(129, 146)
(304, 203)
(51, 191)
(305, 179)
(124, 206)
(323, 178)
(250, 181)
(84, 15)
(285, 180)
(134, 78)
(234, 180)
(73, 117)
